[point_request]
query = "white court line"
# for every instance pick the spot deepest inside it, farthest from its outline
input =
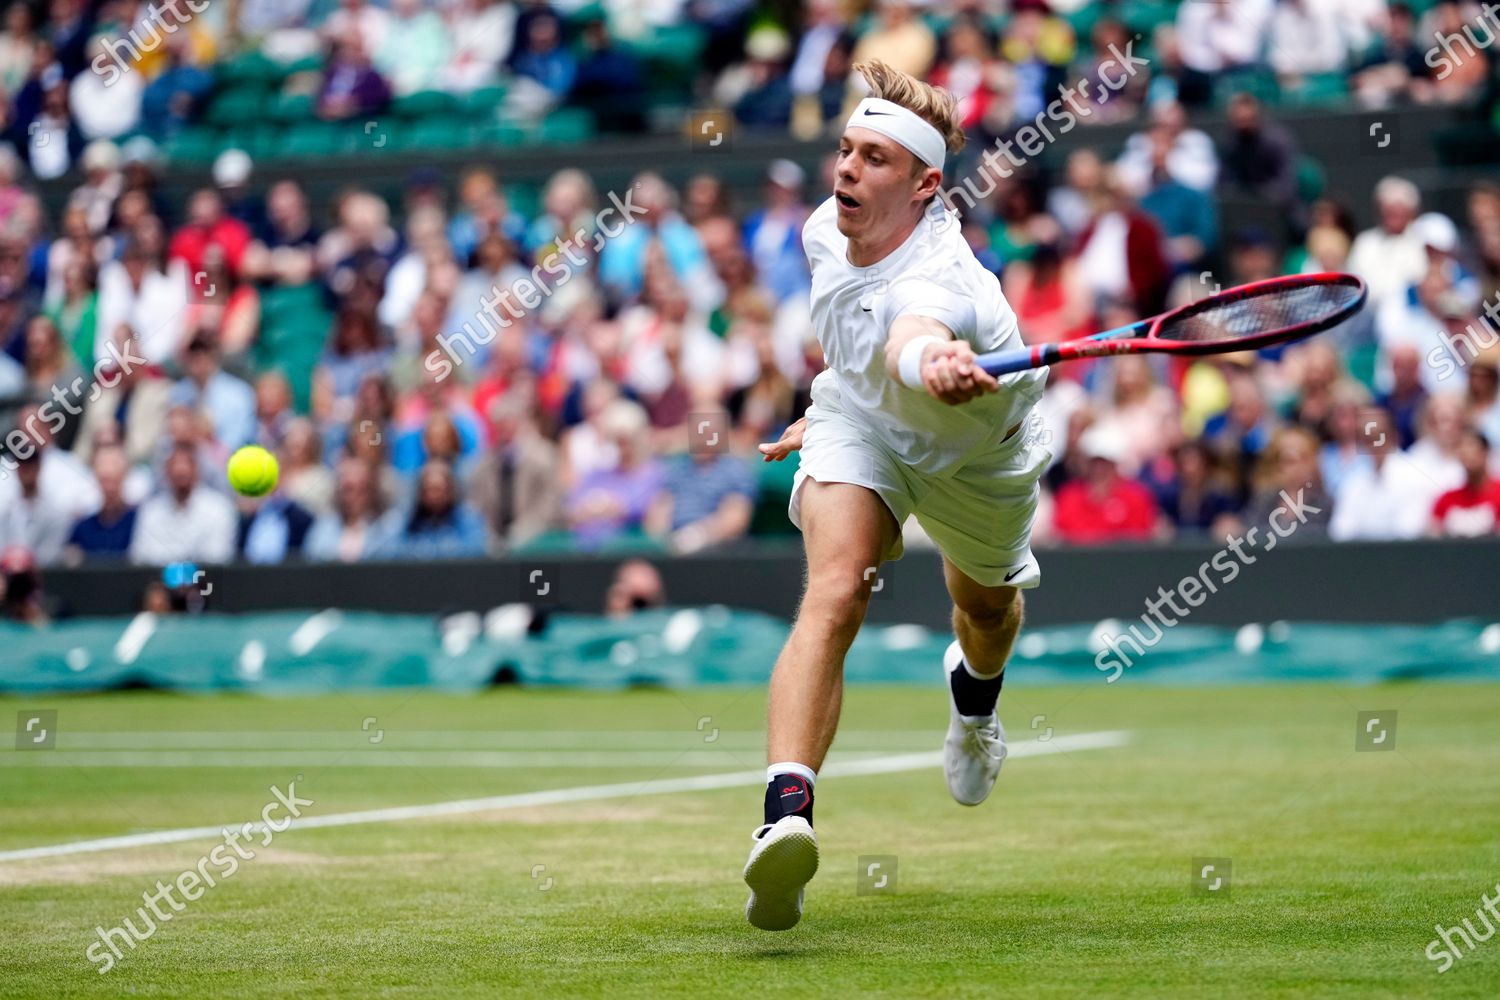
(883, 740)
(559, 796)
(396, 756)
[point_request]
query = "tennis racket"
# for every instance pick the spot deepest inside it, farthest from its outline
(1240, 319)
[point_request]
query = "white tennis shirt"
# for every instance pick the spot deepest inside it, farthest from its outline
(934, 274)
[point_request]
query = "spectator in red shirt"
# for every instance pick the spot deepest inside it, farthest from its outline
(1104, 506)
(1474, 508)
(208, 226)
(1121, 250)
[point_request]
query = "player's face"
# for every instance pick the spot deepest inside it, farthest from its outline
(877, 188)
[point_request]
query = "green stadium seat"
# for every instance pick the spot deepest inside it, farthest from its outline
(260, 139)
(671, 55)
(1145, 16)
(424, 103)
(196, 144)
(432, 133)
(312, 139)
(236, 105)
(504, 134)
(307, 64)
(294, 326)
(938, 22)
(1082, 20)
(774, 482)
(555, 540)
(284, 301)
(1361, 363)
(591, 11)
(566, 125)
(250, 69)
(1257, 82)
(482, 104)
(291, 107)
(524, 199)
(1318, 89)
(630, 541)
(1312, 179)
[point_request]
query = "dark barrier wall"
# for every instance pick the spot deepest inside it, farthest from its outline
(1386, 582)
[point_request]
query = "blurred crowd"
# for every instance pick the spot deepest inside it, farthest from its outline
(73, 71)
(444, 376)
(1006, 61)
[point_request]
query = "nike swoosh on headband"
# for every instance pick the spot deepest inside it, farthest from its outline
(908, 129)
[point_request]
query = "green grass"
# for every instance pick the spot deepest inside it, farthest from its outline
(1072, 881)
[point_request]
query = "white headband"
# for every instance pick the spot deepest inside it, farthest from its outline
(890, 119)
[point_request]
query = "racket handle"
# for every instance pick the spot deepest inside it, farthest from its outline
(1019, 360)
(1024, 358)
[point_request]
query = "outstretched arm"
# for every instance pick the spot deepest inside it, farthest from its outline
(923, 354)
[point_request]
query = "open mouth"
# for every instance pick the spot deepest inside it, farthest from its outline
(845, 200)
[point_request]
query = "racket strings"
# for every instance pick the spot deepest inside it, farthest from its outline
(1262, 312)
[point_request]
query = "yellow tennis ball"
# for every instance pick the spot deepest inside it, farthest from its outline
(253, 471)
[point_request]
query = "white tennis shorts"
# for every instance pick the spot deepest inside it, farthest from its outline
(979, 514)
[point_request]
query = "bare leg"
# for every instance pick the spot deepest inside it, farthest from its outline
(985, 619)
(845, 528)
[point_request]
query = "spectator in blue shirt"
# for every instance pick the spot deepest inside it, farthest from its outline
(440, 525)
(707, 496)
(228, 401)
(542, 58)
(773, 235)
(1237, 436)
(622, 263)
(106, 533)
(1188, 217)
(453, 435)
(611, 81)
(170, 101)
(271, 529)
(359, 527)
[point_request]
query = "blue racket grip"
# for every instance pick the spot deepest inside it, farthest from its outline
(1019, 360)
(1025, 358)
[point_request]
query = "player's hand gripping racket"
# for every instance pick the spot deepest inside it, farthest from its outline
(1240, 319)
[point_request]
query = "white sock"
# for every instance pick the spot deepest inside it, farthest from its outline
(963, 658)
(792, 767)
(977, 675)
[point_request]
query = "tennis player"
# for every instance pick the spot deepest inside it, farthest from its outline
(902, 424)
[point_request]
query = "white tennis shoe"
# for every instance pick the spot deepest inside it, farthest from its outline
(782, 862)
(975, 747)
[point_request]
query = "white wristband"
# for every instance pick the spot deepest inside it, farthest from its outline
(909, 364)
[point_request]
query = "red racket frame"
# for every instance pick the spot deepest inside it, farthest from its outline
(1142, 337)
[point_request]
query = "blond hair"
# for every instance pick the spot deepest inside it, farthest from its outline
(933, 105)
